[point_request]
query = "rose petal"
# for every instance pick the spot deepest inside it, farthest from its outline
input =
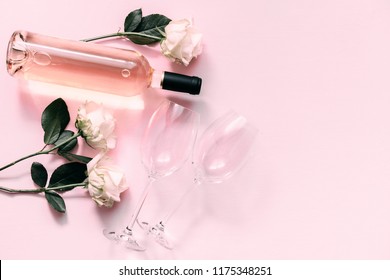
(182, 43)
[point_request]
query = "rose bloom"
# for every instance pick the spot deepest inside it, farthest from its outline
(183, 42)
(96, 126)
(105, 181)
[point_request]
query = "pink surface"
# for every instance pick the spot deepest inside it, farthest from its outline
(312, 76)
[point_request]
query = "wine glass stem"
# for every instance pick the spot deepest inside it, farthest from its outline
(140, 203)
(165, 220)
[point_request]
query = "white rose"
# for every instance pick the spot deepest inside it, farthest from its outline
(105, 181)
(96, 126)
(182, 43)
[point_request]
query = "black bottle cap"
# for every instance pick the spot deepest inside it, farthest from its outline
(181, 83)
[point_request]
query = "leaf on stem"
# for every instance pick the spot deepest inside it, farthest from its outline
(55, 201)
(39, 174)
(132, 20)
(54, 119)
(64, 136)
(150, 25)
(68, 174)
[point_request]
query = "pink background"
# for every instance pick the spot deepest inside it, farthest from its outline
(312, 76)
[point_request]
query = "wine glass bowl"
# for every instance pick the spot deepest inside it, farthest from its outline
(169, 139)
(223, 148)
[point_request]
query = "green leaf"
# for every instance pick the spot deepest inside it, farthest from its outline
(65, 135)
(55, 201)
(39, 174)
(70, 157)
(132, 20)
(66, 174)
(150, 25)
(54, 120)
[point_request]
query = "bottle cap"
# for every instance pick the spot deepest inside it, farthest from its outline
(181, 83)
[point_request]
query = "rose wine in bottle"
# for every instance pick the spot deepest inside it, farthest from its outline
(89, 66)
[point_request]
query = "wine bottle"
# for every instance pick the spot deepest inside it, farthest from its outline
(90, 66)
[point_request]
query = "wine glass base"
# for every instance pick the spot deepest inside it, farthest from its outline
(125, 238)
(110, 235)
(158, 234)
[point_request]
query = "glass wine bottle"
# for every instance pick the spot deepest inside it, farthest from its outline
(32, 56)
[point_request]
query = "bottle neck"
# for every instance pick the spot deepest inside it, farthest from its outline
(157, 77)
(176, 82)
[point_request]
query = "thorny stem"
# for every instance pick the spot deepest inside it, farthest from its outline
(14, 191)
(42, 152)
(120, 34)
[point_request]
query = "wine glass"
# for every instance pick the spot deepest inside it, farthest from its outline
(219, 153)
(166, 145)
